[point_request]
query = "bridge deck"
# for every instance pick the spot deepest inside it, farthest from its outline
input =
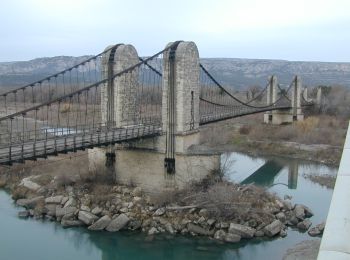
(30, 150)
(237, 112)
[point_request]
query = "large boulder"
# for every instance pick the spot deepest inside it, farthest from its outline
(54, 200)
(220, 235)
(281, 217)
(71, 223)
(291, 219)
(287, 205)
(259, 233)
(308, 211)
(153, 231)
(85, 208)
(321, 226)
(101, 224)
(30, 203)
(96, 211)
(241, 230)
(118, 223)
(29, 183)
(211, 222)
(134, 224)
(70, 203)
(299, 211)
(279, 204)
(159, 212)
(50, 210)
(203, 213)
(232, 238)
(273, 229)
(70, 216)
(317, 230)
(60, 212)
(23, 214)
(199, 230)
(314, 231)
(87, 217)
(169, 228)
(64, 200)
(304, 225)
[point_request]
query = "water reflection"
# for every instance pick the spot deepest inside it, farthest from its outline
(47, 240)
(270, 171)
(266, 174)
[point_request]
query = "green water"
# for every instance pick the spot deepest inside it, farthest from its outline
(32, 239)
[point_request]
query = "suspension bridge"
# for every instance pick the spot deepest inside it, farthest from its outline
(117, 97)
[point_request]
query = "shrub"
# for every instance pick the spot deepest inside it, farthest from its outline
(65, 108)
(244, 130)
(2, 183)
(286, 133)
(307, 125)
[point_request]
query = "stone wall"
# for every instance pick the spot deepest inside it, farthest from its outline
(145, 168)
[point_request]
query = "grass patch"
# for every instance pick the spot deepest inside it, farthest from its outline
(239, 140)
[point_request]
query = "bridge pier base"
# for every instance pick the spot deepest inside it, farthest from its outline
(278, 118)
(145, 168)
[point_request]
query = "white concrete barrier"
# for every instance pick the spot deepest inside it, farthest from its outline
(335, 242)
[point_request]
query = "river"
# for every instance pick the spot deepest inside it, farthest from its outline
(33, 239)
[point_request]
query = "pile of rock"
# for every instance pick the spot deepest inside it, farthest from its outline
(317, 230)
(126, 208)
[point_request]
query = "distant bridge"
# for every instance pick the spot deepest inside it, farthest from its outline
(116, 97)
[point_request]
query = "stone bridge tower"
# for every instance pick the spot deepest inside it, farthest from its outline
(180, 102)
(165, 161)
(271, 99)
(278, 117)
(118, 95)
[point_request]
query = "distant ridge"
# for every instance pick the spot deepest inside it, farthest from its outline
(240, 73)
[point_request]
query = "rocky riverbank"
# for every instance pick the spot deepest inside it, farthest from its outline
(222, 211)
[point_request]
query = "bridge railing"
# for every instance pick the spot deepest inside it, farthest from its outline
(81, 113)
(42, 148)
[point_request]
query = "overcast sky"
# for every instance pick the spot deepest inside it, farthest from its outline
(316, 30)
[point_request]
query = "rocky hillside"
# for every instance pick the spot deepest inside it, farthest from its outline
(245, 72)
(240, 73)
(19, 73)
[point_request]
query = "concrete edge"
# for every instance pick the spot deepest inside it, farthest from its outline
(335, 241)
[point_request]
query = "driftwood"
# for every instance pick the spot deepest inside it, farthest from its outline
(182, 207)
